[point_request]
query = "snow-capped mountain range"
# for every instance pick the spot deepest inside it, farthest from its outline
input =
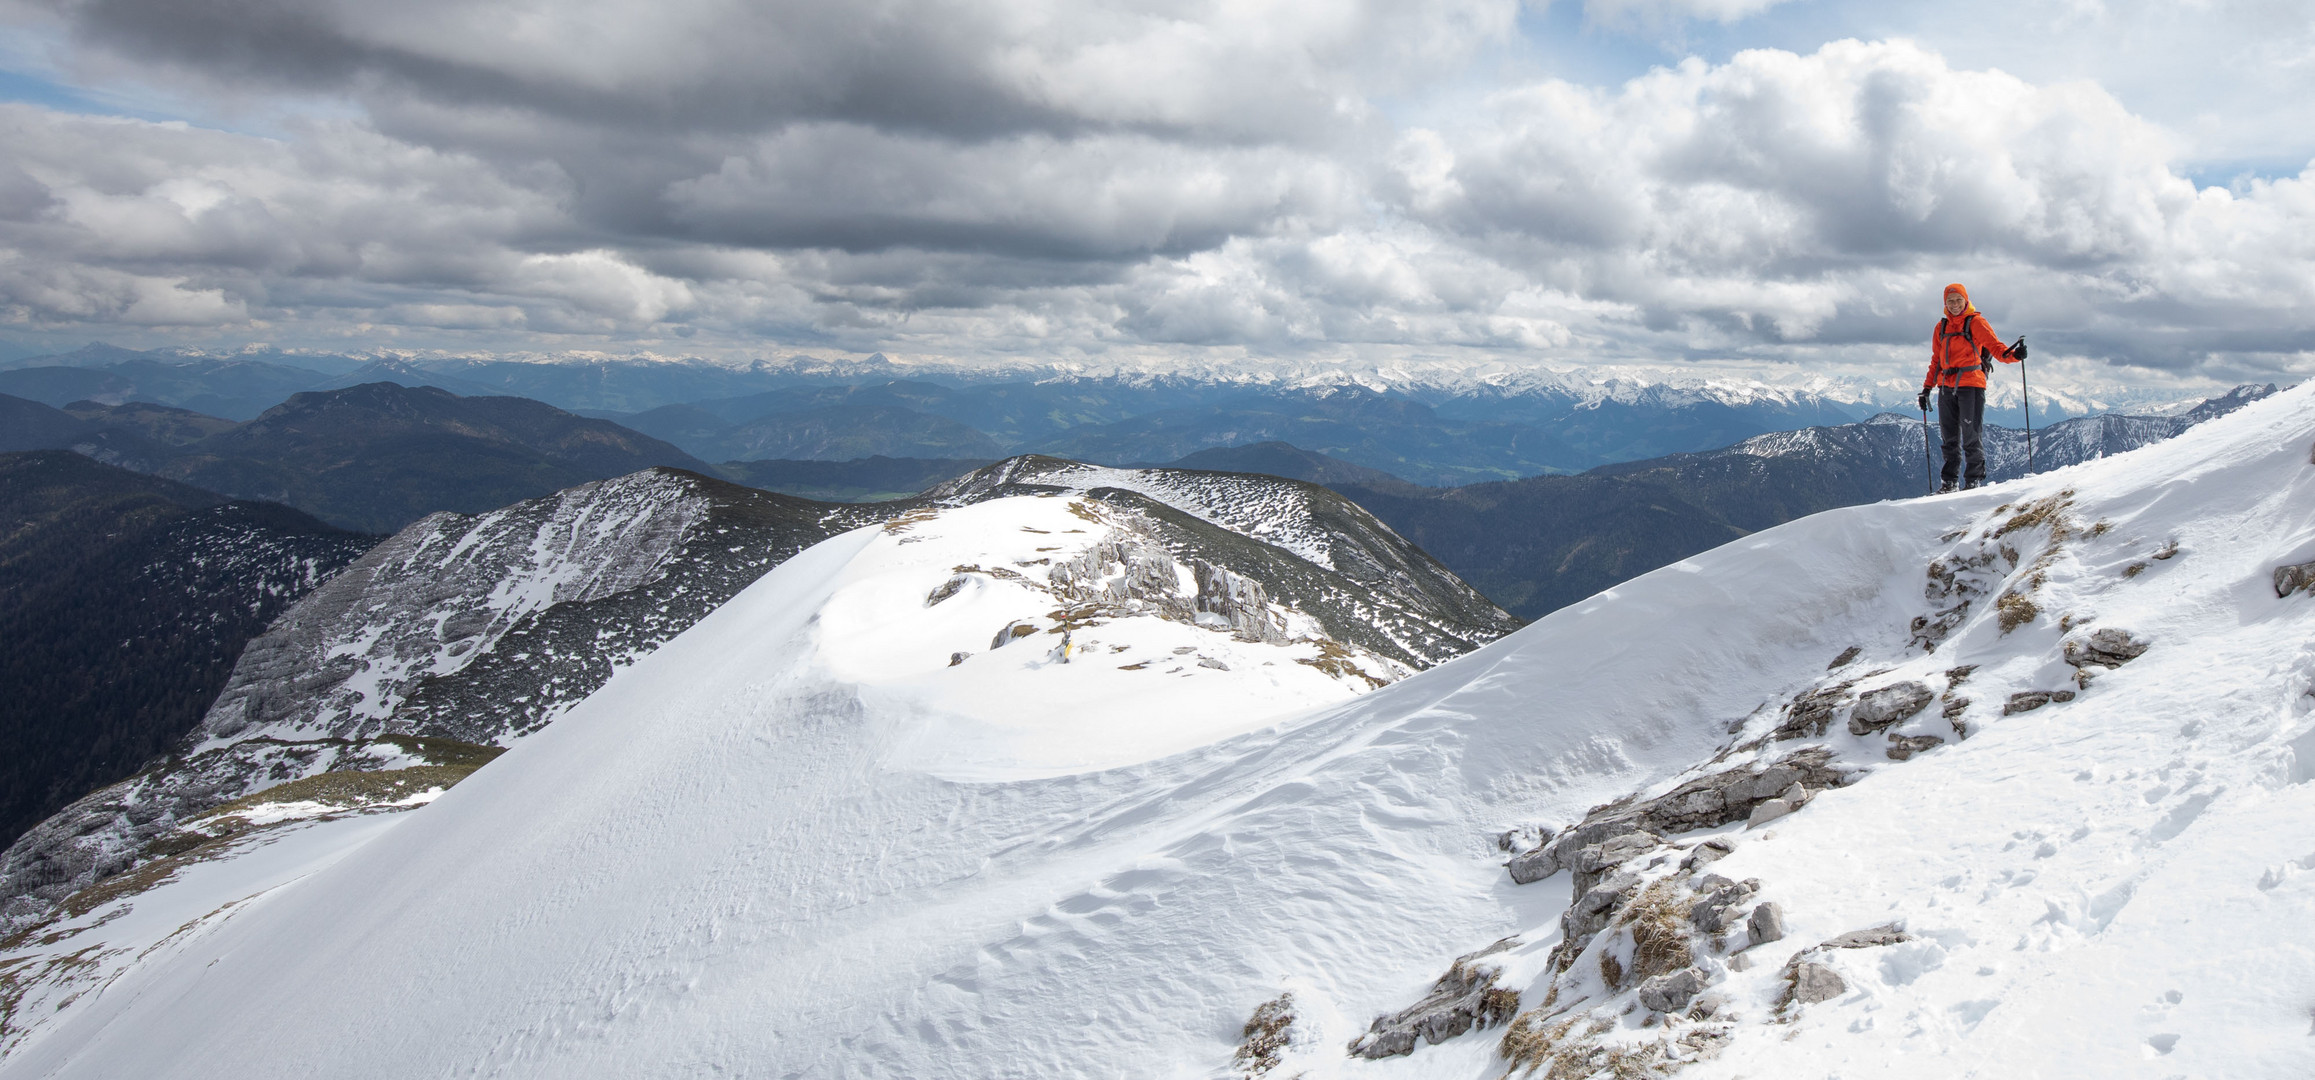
(2007, 782)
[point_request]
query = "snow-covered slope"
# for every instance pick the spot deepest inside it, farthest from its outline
(781, 845)
(478, 628)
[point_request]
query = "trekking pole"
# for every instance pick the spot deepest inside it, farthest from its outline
(1928, 469)
(2028, 390)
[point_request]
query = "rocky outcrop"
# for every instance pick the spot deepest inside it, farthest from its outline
(1813, 982)
(2029, 700)
(1465, 998)
(1878, 710)
(1672, 993)
(1614, 833)
(2107, 647)
(2293, 578)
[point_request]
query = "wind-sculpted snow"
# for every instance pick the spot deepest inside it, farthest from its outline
(1795, 836)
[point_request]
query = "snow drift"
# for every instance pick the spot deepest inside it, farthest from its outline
(787, 843)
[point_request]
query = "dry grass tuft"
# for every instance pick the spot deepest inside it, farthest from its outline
(1661, 931)
(2045, 511)
(2016, 610)
(1265, 1036)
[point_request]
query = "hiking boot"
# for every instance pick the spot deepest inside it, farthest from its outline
(1945, 487)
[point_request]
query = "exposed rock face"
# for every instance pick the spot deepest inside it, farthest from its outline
(1765, 925)
(1672, 993)
(2029, 700)
(1703, 803)
(1884, 934)
(1466, 997)
(1712, 913)
(2106, 646)
(1889, 706)
(2291, 579)
(1813, 982)
(1903, 747)
(1811, 713)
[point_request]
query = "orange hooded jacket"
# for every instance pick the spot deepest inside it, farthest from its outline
(1953, 359)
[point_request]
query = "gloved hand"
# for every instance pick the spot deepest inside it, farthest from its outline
(1922, 402)
(2019, 350)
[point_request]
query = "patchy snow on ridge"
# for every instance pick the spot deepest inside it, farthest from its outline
(768, 848)
(1275, 513)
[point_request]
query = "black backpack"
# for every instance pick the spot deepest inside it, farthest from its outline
(1984, 355)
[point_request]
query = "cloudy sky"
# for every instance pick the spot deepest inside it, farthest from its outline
(1712, 185)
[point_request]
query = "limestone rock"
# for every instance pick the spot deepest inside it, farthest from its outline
(1464, 998)
(1710, 914)
(1814, 982)
(2106, 646)
(1706, 802)
(1767, 812)
(1811, 713)
(1673, 992)
(1594, 861)
(1707, 853)
(1591, 911)
(2029, 700)
(1765, 925)
(1884, 934)
(1903, 747)
(2291, 579)
(1878, 710)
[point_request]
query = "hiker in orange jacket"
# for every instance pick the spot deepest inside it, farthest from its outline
(1962, 349)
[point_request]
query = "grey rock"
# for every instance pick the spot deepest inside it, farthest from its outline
(2106, 646)
(1808, 715)
(1707, 853)
(1593, 861)
(1848, 654)
(1529, 867)
(1884, 934)
(1889, 706)
(1706, 802)
(1672, 993)
(1767, 812)
(2029, 700)
(1710, 914)
(1012, 632)
(1465, 998)
(1765, 925)
(1596, 907)
(1814, 982)
(2291, 579)
(1903, 747)
(1931, 630)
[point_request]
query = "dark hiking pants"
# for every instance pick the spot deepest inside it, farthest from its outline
(1961, 420)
